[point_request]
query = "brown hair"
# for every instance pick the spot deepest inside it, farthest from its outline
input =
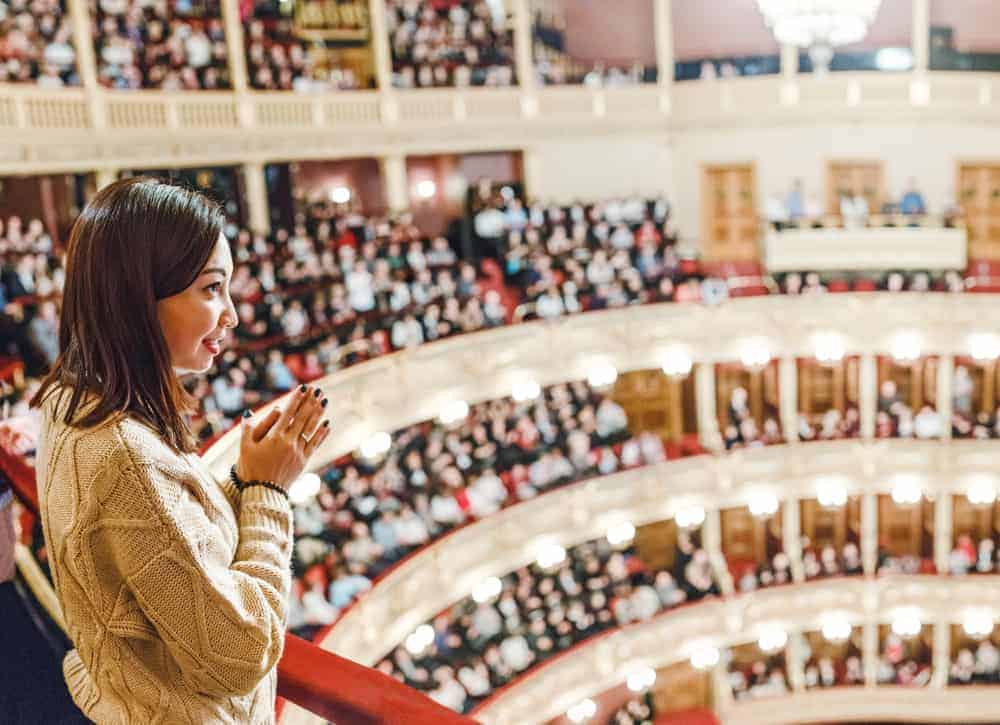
(138, 241)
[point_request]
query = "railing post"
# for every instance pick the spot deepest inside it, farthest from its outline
(524, 62)
(256, 191)
(869, 533)
(942, 654)
(868, 395)
(796, 661)
(942, 531)
(105, 175)
(708, 423)
(788, 398)
(791, 535)
(233, 24)
(86, 62)
(944, 402)
(395, 181)
(665, 70)
(869, 650)
(381, 53)
(921, 36)
(712, 541)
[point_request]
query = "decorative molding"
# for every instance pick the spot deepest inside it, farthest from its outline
(351, 124)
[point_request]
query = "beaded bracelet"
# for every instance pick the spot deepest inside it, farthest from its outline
(243, 485)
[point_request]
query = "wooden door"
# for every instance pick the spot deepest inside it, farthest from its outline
(729, 225)
(979, 200)
(656, 544)
(681, 687)
(657, 403)
(854, 178)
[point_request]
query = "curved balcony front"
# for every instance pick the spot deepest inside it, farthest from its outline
(397, 390)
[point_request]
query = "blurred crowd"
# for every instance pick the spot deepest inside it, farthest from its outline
(36, 44)
(639, 710)
(970, 557)
(478, 647)
(170, 45)
(764, 677)
(282, 58)
(977, 664)
(826, 561)
(450, 43)
(904, 661)
(435, 477)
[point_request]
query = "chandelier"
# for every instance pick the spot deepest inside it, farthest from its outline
(819, 25)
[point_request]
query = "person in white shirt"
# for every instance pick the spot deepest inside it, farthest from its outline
(360, 293)
(407, 333)
(550, 305)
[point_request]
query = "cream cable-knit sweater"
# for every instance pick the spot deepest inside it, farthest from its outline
(174, 587)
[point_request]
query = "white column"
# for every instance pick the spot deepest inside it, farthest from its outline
(256, 190)
(663, 22)
(942, 531)
(86, 61)
(394, 178)
(791, 537)
(789, 62)
(869, 533)
(381, 53)
(531, 167)
(944, 402)
(524, 61)
(722, 693)
(921, 35)
(788, 396)
(105, 175)
(796, 661)
(789, 75)
(868, 395)
(711, 533)
(708, 423)
(234, 45)
(83, 43)
(941, 654)
(869, 650)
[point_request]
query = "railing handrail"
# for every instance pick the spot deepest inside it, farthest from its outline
(319, 681)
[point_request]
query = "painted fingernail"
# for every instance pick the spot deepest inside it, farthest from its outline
(325, 401)
(318, 393)
(326, 423)
(302, 388)
(247, 413)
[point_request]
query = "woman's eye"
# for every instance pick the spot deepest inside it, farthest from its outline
(213, 288)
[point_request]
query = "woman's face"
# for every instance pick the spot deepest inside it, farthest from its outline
(195, 321)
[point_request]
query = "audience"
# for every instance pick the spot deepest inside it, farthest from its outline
(826, 561)
(369, 515)
(639, 710)
(896, 419)
(904, 662)
(450, 43)
(765, 677)
(170, 45)
(280, 59)
(478, 647)
(976, 664)
(36, 44)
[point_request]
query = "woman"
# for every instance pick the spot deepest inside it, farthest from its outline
(173, 585)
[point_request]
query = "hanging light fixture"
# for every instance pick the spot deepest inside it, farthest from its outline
(819, 25)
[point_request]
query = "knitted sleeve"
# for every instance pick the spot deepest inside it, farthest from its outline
(222, 620)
